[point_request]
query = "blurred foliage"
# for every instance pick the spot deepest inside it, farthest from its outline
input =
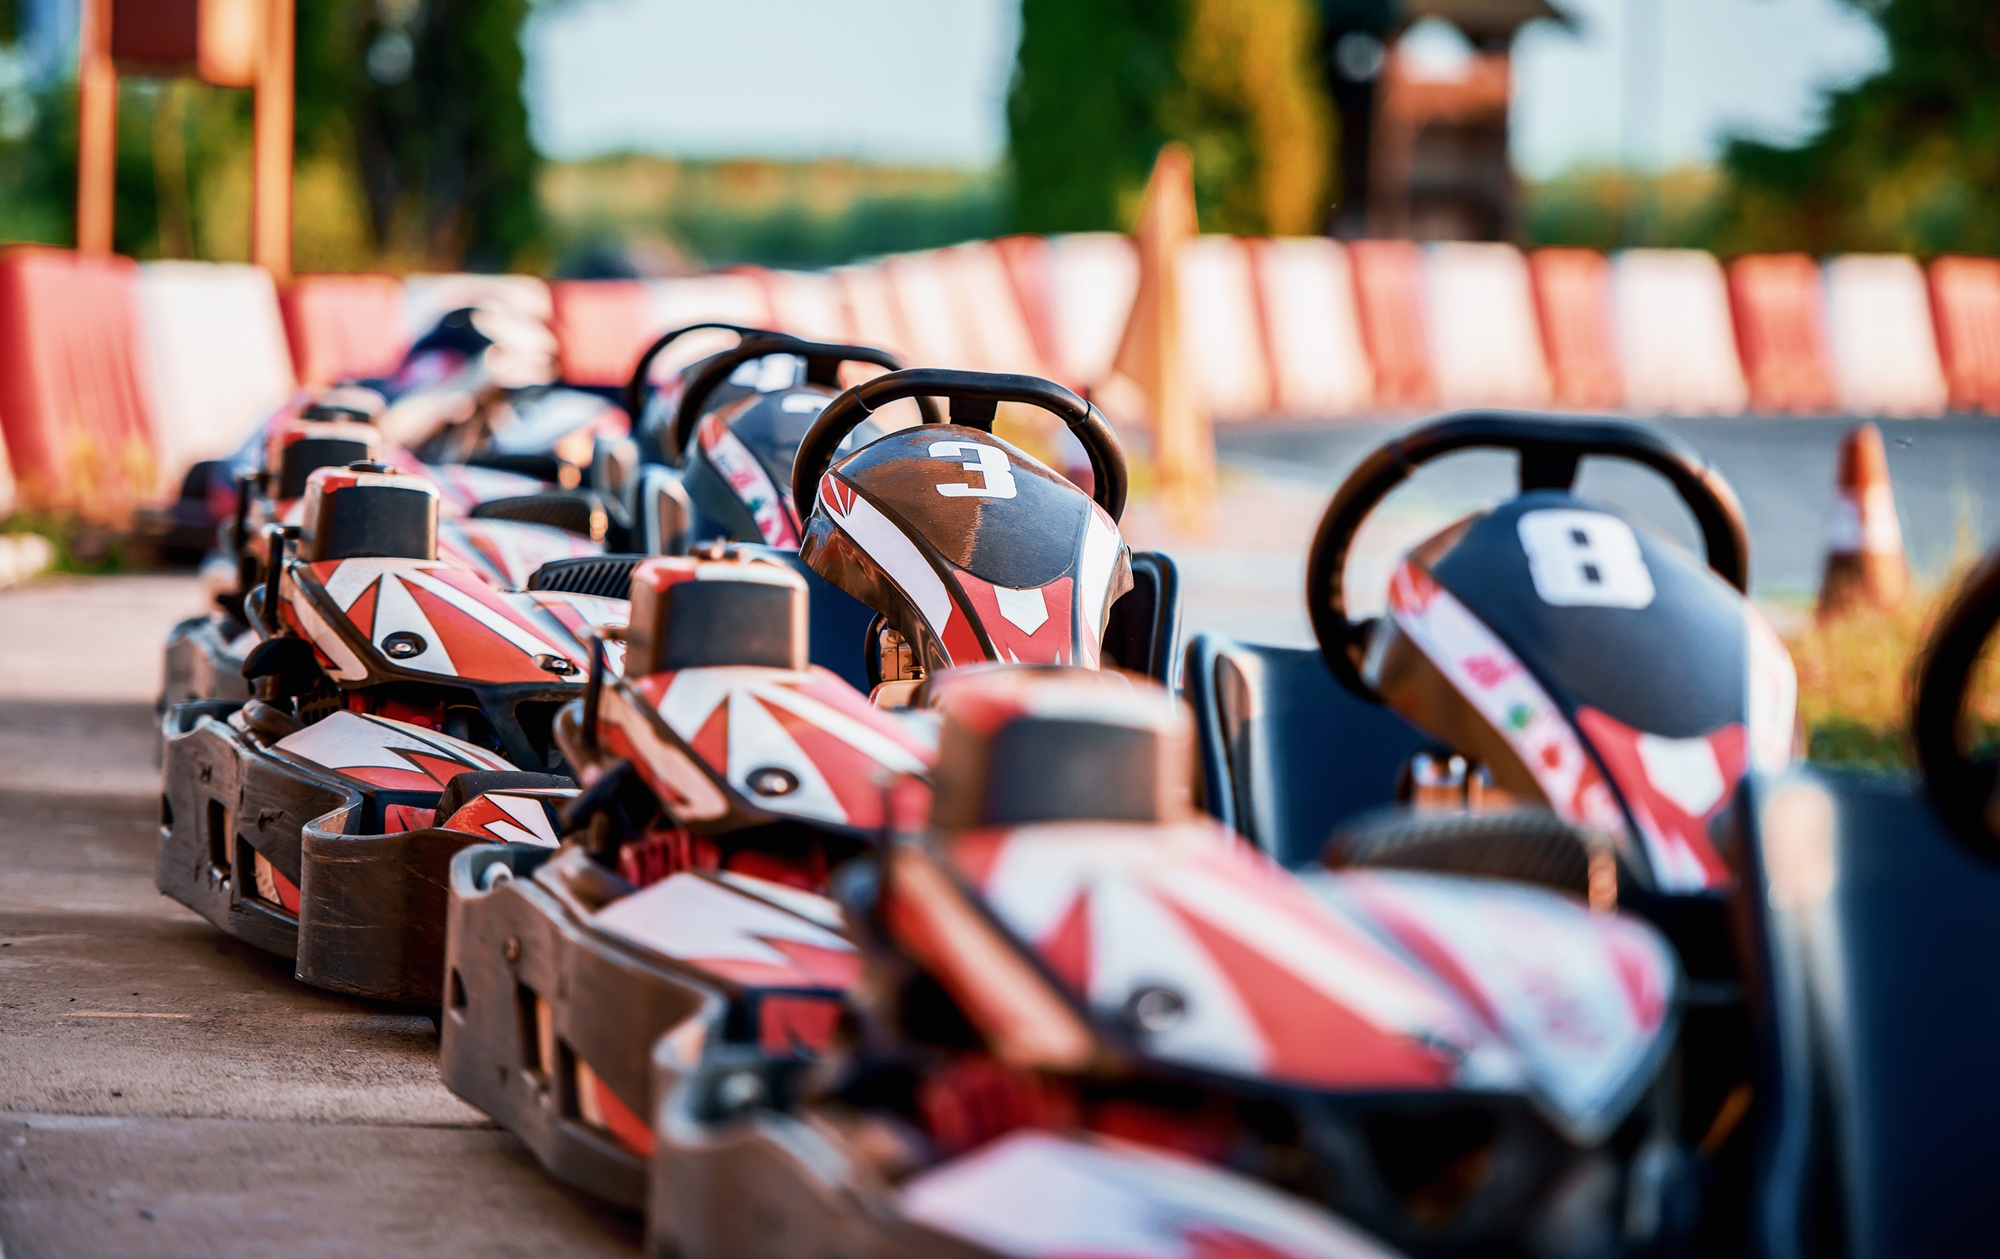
(1607, 208)
(1855, 678)
(632, 214)
(413, 147)
(1100, 85)
(1906, 160)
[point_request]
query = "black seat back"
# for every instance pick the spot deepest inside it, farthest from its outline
(1142, 633)
(1878, 937)
(1286, 753)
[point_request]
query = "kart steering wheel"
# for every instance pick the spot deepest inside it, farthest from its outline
(822, 368)
(974, 398)
(1960, 786)
(1549, 451)
(634, 397)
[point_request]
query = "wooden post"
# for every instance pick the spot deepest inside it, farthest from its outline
(1151, 354)
(271, 155)
(96, 132)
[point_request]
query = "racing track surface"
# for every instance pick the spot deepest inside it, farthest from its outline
(165, 1091)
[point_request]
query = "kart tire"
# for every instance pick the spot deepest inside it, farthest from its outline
(1525, 846)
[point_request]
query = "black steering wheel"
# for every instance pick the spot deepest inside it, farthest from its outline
(974, 398)
(822, 368)
(1960, 785)
(1549, 450)
(634, 397)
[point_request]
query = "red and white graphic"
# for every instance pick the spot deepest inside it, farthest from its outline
(1221, 960)
(508, 551)
(745, 931)
(801, 744)
(1500, 687)
(430, 618)
(1061, 622)
(384, 753)
(1674, 788)
(1583, 997)
(513, 817)
(1037, 1195)
(777, 521)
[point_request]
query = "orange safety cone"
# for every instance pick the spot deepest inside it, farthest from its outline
(1152, 354)
(1865, 565)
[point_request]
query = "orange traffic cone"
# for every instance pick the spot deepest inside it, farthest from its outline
(1865, 565)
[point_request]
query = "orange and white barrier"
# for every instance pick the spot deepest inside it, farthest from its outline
(1676, 341)
(871, 308)
(1222, 329)
(429, 298)
(1093, 278)
(990, 311)
(1319, 366)
(1486, 345)
(920, 285)
(806, 304)
(72, 405)
(1573, 304)
(1779, 302)
(216, 360)
(345, 327)
(1965, 296)
(1389, 295)
(601, 327)
(1885, 354)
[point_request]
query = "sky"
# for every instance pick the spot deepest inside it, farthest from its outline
(925, 81)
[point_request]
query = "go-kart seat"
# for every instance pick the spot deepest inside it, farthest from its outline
(1287, 754)
(837, 622)
(1878, 943)
(1142, 632)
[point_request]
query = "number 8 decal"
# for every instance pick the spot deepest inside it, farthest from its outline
(996, 474)
(1585, 559)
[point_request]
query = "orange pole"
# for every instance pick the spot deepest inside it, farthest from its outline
(97, 132)
(271, 155)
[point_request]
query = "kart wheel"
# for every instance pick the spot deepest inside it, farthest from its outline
(1527, 846)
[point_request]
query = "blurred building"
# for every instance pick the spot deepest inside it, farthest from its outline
(1422, 89)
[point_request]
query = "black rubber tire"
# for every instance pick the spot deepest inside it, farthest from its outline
(1525, 846)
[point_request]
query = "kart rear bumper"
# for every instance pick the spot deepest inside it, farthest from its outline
(537, 1001)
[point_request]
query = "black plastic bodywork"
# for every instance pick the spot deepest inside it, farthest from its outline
(1875, 937)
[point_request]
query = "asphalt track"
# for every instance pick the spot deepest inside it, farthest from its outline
(165, 1091)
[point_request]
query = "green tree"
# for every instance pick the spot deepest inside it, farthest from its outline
(1908, 159)
(1100, 85)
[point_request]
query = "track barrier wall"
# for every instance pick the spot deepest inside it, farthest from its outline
(1573, 308)
(116, 376)
(1965, 301)
(1885, 353)
(1779, 302)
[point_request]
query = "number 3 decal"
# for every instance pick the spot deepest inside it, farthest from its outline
(996, 474)
(1585, 559)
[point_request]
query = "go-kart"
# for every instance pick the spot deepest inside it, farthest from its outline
(1555, 695)
(204, 654)
(1869, 902)
(724, 454)
(724, 777)
(311, 820)
(1089, 1021)
(609, 996)
(970, 549)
